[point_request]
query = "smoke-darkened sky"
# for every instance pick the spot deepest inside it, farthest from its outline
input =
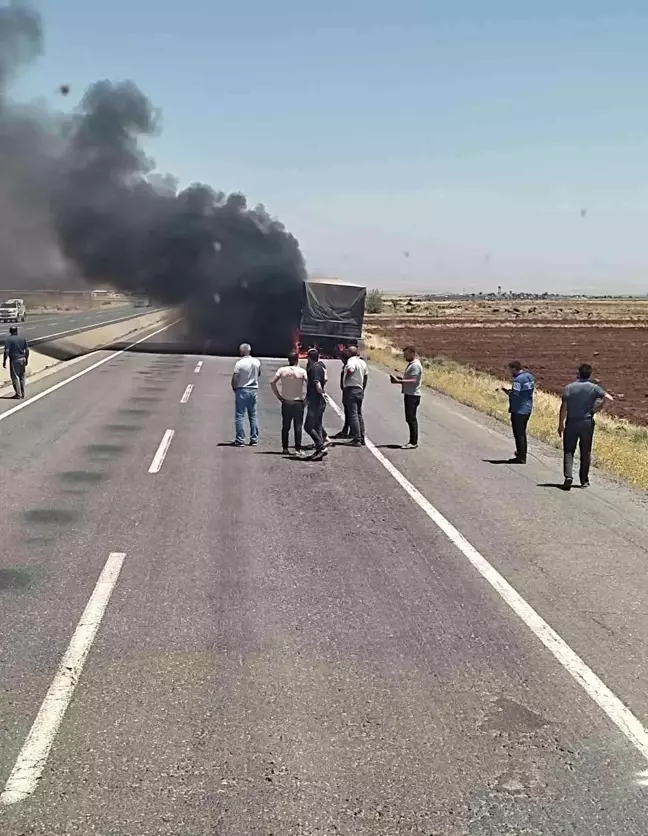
(79, 197)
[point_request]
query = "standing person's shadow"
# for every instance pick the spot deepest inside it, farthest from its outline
(560, 486)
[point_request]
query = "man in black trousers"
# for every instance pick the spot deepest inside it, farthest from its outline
(316, 403)
(345, 432)
(16, 351)
(581, 400)
(289, 386)
(520, 397)
(410, 383)
(356, 375)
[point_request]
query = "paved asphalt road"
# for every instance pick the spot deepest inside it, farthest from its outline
(39, 327)
(295, 647)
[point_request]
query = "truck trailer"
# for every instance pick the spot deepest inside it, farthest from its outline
(332, 316)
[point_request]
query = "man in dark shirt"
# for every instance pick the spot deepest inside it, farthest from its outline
(581, 400)
(316, 403)
(520, 397)
(309, 363)
(16, 351)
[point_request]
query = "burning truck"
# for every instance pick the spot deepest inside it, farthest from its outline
(332, 315)
(277, 317)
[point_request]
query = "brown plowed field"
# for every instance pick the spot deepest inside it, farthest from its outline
(619, 355)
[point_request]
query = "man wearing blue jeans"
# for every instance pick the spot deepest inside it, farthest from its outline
(245, 384)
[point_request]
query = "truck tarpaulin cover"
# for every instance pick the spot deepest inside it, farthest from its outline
(333, 310)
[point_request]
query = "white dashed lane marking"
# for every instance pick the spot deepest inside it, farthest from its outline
(32, 758)
(162, 450)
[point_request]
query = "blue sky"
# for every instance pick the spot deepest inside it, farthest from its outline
(468, 134)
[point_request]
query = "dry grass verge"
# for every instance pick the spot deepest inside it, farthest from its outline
(620, 448)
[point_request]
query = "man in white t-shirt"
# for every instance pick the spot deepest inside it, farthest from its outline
(410, 384)
(356, 375)
(289, 385)
(245, 383)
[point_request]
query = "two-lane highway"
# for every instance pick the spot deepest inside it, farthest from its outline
(42, 327)
(277, 646)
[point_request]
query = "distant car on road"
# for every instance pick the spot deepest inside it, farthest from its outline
(13, 310)
(141, 302)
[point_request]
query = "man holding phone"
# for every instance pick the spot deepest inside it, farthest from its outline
(520, 397)
(410, 383)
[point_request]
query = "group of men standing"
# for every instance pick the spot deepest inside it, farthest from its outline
(302, 391)
(581, 400)
(302, 394)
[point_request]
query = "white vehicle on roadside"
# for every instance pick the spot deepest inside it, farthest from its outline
(13, 310)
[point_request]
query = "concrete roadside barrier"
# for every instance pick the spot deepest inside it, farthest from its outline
(52, 355)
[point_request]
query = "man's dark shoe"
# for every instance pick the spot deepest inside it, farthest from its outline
(357, 442)
(253, 443)
(238, 444)
(318, 455)
(340, 435)
(15, 397)
(567, 484)
(585, 484)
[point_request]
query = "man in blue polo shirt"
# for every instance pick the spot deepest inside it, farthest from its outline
(520, 406)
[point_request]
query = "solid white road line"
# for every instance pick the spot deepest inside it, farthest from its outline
(162, 450)
(50, 370)
(32, 758)
(76, 376)
(187, 393)
(619, 713)
(198, 367)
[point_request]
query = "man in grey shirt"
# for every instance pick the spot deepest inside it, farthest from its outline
(581, 400)
(16, 351)
(410, 383)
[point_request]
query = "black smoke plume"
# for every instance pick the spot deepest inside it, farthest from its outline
(236, 271)
(31, 145)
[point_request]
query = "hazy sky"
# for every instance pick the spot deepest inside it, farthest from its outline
(469, 134)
